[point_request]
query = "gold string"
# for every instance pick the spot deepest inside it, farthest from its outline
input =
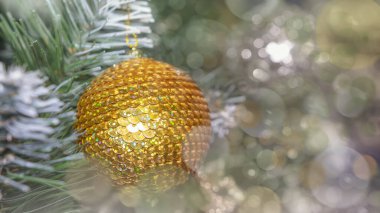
(134, 51)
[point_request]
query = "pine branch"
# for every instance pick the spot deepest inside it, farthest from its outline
(74, 42)
(25, 127)
(84, 36)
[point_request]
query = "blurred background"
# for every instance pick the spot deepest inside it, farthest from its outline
(294, 90)
(300, 125)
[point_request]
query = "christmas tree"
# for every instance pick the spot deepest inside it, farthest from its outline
(282, 114)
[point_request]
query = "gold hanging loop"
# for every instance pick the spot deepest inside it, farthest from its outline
(133, 46)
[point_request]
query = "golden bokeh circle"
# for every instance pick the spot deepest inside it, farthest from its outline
(349, 31)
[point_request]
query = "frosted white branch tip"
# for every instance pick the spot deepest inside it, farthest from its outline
(25, 127)
(111, 29)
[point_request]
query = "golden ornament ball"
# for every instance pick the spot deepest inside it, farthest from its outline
(145, 123)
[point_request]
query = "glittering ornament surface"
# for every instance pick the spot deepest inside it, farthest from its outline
(145, 123)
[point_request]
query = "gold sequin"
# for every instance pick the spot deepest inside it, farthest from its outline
(149, 133)
(123, 121)
(122, 130)
(133, 119)
(132, 128)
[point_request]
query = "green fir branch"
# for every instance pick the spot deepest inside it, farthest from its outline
(74, 42)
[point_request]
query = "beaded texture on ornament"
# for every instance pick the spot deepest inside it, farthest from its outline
(146, 123)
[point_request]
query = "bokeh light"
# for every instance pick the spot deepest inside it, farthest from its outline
(294, 92)
(246, 9)
(342, 32)
(343, 182)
